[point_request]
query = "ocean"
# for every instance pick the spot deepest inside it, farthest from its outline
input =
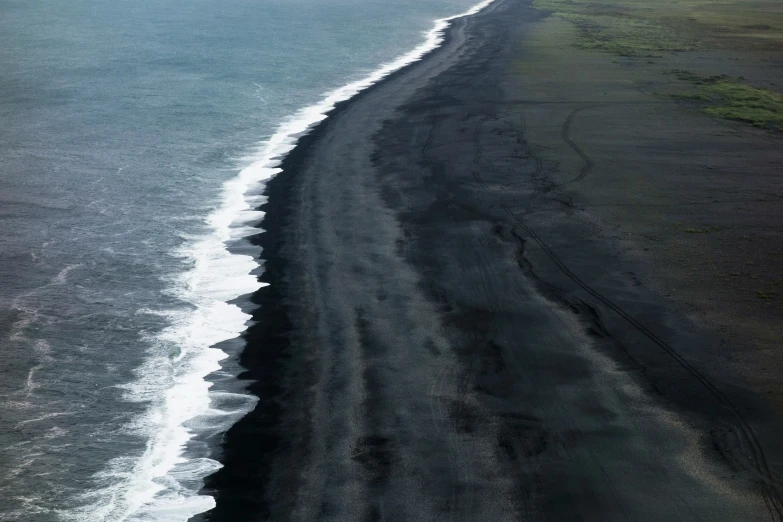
(135, 139)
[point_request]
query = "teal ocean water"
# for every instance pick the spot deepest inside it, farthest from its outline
(135, 139)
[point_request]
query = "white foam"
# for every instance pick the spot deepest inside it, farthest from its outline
(159, 485)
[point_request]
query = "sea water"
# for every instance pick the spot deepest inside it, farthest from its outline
(135, 138)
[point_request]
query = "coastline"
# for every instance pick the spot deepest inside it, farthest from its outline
(442, 311)
(270, 325)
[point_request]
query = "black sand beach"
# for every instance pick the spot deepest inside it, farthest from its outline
(454, 329)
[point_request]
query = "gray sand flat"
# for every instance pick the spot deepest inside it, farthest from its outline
(462, 344)
(697, 201)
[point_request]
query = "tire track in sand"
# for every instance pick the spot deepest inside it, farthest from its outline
(770, 493)
(565, 133)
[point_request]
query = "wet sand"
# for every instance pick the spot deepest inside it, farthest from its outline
(449, 335)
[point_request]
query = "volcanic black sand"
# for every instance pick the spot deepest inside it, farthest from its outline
(448, 335)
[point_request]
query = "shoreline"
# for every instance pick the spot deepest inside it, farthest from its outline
(438, 343)
(269, 316)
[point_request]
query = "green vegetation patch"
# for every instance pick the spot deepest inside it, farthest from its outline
(610, 27)
(643, 28)
(627, 36)
(731, 99)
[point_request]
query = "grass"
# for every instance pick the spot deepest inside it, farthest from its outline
(608, 27)
(732, 99)
(759, 107)
(693, 96)
(644, 28)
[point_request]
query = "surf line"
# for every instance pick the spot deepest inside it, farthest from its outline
(176, 386)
